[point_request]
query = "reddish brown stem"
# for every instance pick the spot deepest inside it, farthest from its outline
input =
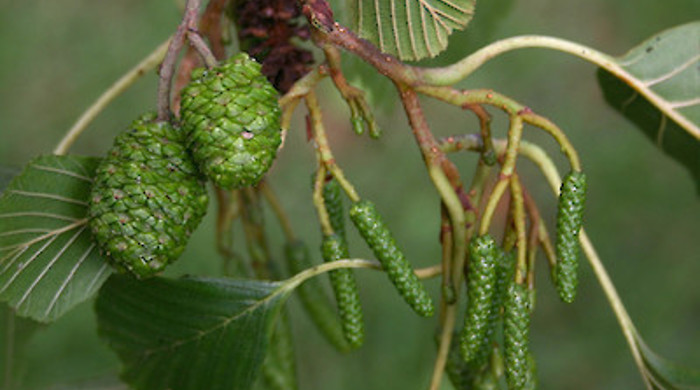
(167, 68)
(210, 27)
(432, 154)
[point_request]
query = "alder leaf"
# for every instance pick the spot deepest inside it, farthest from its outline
(189, 333)
(410, 29)
(664, 374)
(663, 99)
(48, 259)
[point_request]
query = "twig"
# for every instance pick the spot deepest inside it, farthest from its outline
(360, 113)
(487, 154)
(323, 148)
(507, 168)
(116, 89)
(446, 180)
(201, 47)
(210, 26)
(323, 217)
(278, 210)
(547, 167)
(167, 68)
(518, 215)
(301, 88)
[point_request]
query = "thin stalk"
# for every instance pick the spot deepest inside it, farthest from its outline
(507, 168)
(452, 74)
(539, 234)
(202, 49)
(210, 26)
(167, 68)
(537, 155)
(447, 243)
(301, 88)
(487, 154)
(122, 84)
(518, 215)
(278, 210)
(445, 178)
(444, 347)
(323, 217)
(458, 71)
(301, 277)
(323, 148)
(623, 318)
(511, 107)
(354, 97)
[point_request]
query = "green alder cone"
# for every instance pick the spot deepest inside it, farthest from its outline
(147, 198)
(516, 335)
(313, 298)
(481, 287)
(347, 294)
(378, 237)
(232, 120)
(569, 222)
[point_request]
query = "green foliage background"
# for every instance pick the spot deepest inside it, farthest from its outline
(643, 211)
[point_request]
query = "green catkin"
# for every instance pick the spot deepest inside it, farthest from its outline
(505, 271)
(481, 286)
(378, 237)
(459, 372)
(569, 222)
(347, 294)
(531, 380)
(468, 375)
(313, 298)
(516, 329)
(333, 200)
(146, 199)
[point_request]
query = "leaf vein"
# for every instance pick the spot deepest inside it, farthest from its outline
(38, 214)
(32, 194)
(63, 172)
(105, 266)
(222, 325)
(54, 232)
(22, 266)
(684, 103)
(411, 34)
(23, 231)
(673, 72)
(379, 25)
(48, 266)
(69, 277)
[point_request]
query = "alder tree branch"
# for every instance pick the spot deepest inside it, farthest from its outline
(167, 68)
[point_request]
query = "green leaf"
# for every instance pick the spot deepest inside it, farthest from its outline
(189, 333)
(663, 96)
(48, 260)
(411, 29)
(665, 374)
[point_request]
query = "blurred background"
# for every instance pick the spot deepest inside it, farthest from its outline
(56, 57)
